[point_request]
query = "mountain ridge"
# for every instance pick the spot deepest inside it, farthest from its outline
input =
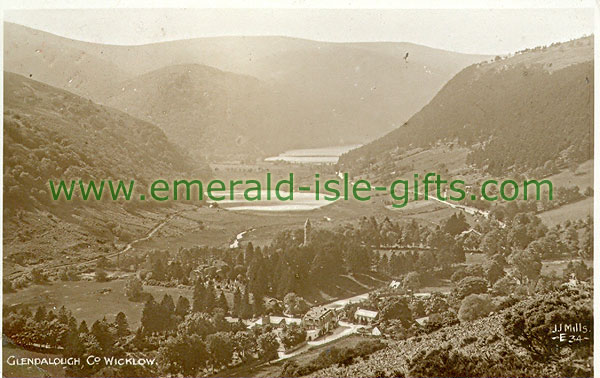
(327, 92)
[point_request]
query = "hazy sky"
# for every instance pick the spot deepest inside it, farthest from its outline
(481, 31)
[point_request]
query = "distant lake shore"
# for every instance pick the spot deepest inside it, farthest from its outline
(323, 155)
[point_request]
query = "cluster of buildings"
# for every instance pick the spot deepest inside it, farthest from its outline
(318, 321)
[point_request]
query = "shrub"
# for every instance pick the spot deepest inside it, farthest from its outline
(474, 307)
(397, 309)
(441, 320)
(493, 271)
(68, 274)
(447, 362)
(576, 367)
(470, 285)
(7, 286)
(468, 340)
(492, 338)
(504, 286)
(531, 324)
(578, 269)
(332, 356)
(502, 303)
(21, 282)
(290, 369)
(101, 275)
(380, 373)
(435, 305)
(38, 276)
(412, 281)
(367, 347)
(475, 270)
(458, 275)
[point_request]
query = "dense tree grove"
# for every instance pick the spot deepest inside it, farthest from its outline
(192, 336)
(37, 153)
(248, 273)
(185, 342)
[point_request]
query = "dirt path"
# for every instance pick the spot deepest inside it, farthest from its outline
(128, 247)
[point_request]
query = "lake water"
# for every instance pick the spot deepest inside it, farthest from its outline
(324, 155)
(302, 202)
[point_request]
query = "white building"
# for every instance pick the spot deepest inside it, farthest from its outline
(376, 332)
(395, 284)
(365, 316)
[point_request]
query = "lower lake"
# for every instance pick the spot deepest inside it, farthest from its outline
(301, 202)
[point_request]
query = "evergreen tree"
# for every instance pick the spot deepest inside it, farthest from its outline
(183, 306)
(210, 299)
(154, 317)
(158, 270)
(134, 289)
(101, 275)
(258, 307)
(168, 304)
(245, 308)
(73, 345)
(83, 327)
(63, 315)
(40, 314)
(239, 260)
(237, 302)
(222, 302)
(50, 316)
(121, 324)
(384, 265)
(101, 333)
(249, 253)
(175, 271)
(199, 296)
(257, 274)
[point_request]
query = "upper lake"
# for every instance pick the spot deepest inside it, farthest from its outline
(323, 155)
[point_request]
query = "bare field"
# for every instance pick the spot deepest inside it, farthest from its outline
(557, 267)
(573, 211)
(583, 176)
(8, 349)
(89, 300)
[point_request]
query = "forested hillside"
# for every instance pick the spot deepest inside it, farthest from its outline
(515, 114)
(53, 134)
(208, 111)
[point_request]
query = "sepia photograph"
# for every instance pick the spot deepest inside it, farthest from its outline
(298, 188)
